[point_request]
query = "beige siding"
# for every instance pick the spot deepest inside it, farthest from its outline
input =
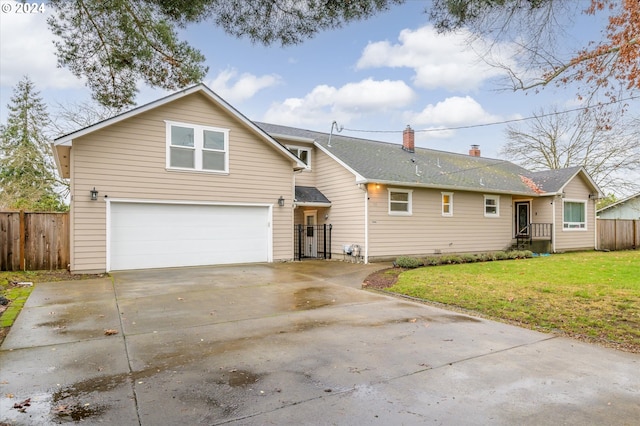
(127, 160)
(576, 190)
(542, 210)
(347, 210)
(426, 231)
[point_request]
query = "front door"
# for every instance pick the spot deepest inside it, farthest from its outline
(522, 218)
(310, 240)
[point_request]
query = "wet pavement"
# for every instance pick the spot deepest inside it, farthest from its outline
(291, 343)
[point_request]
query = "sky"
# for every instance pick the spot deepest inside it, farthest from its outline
(378, 75)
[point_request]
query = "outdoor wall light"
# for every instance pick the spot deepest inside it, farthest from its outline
(94, 194)
(281, 201)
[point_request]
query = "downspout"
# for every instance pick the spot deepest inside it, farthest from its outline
(595, 225)
(292, 227)
(553, 225)
(366, 224)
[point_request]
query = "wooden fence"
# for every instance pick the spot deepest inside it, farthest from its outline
(618, 234)
(34, 241)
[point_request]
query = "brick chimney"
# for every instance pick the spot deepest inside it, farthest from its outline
(474, 151)
(408, 139)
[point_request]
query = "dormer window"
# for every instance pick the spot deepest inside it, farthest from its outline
(303, 153)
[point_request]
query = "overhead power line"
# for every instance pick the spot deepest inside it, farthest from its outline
(495, 123)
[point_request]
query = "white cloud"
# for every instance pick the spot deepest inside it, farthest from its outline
(326, 103)
(236, 88)
(454, 111)
(26, 48)
(438, 60)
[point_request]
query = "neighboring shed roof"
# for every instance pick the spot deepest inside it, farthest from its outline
(383, 162)
(310, 195)
(619, 203)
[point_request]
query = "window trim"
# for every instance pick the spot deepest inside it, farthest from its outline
(450, 204)
(198, 136)
(304, 148)
(579, 228)
(497, 205)
(409, 202)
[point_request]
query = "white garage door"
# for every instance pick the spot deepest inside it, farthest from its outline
(144, 235)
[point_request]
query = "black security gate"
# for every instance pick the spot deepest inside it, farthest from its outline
(312, 241)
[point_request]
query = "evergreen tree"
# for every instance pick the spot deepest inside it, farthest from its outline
(27, 174)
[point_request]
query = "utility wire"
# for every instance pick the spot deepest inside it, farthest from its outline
(472, 126)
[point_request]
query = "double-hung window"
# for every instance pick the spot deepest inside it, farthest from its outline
(492, 205)
(574, 215)
(400, 202)
(197, 147)
(447, 204)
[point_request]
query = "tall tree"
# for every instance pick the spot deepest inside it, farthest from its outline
(71, 116)
(606, 146)
(113, 44)
(27, 175)
(609, 66)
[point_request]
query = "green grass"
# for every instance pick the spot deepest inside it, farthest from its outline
(19, 295)
(588, 294)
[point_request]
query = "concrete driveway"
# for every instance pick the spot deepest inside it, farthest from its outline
(291, 343)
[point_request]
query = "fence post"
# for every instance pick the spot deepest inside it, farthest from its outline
(299, 242)
(324, 241)
(330, 227)
(23, 232)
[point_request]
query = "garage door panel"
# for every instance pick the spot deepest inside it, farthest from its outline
(166, 235)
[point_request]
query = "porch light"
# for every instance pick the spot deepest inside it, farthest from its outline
(94, 194)
(281, 201)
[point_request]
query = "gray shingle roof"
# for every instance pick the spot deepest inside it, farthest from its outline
(310, 194)
(553, 180)
(388, 163)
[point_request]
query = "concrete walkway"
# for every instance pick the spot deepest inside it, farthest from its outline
(291, 343)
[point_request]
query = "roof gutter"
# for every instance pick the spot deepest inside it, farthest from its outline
(453, 188)
(311, 204)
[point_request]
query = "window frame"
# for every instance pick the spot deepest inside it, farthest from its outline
(198, 148)
(301, 148)
(409, 202)
(582, 226)
(443, 204)
(496, 198)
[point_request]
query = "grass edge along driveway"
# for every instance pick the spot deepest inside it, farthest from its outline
(594, 296)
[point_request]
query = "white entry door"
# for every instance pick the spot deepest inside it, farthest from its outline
(310, 233)
(155, 235)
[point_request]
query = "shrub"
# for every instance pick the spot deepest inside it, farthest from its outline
(500, 255)
(469, 258)
(526, 254)
(452, 259)
(408, 262)
(432, 261)
(486, 257)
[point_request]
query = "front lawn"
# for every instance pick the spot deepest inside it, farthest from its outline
(589, 295)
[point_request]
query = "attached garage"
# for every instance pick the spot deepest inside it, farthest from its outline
(161, 235)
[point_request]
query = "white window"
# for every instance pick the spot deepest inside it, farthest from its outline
(574, 214)
(492, 205)
(447, 204)
(303, 153)
(196, 147)
(400, 202)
